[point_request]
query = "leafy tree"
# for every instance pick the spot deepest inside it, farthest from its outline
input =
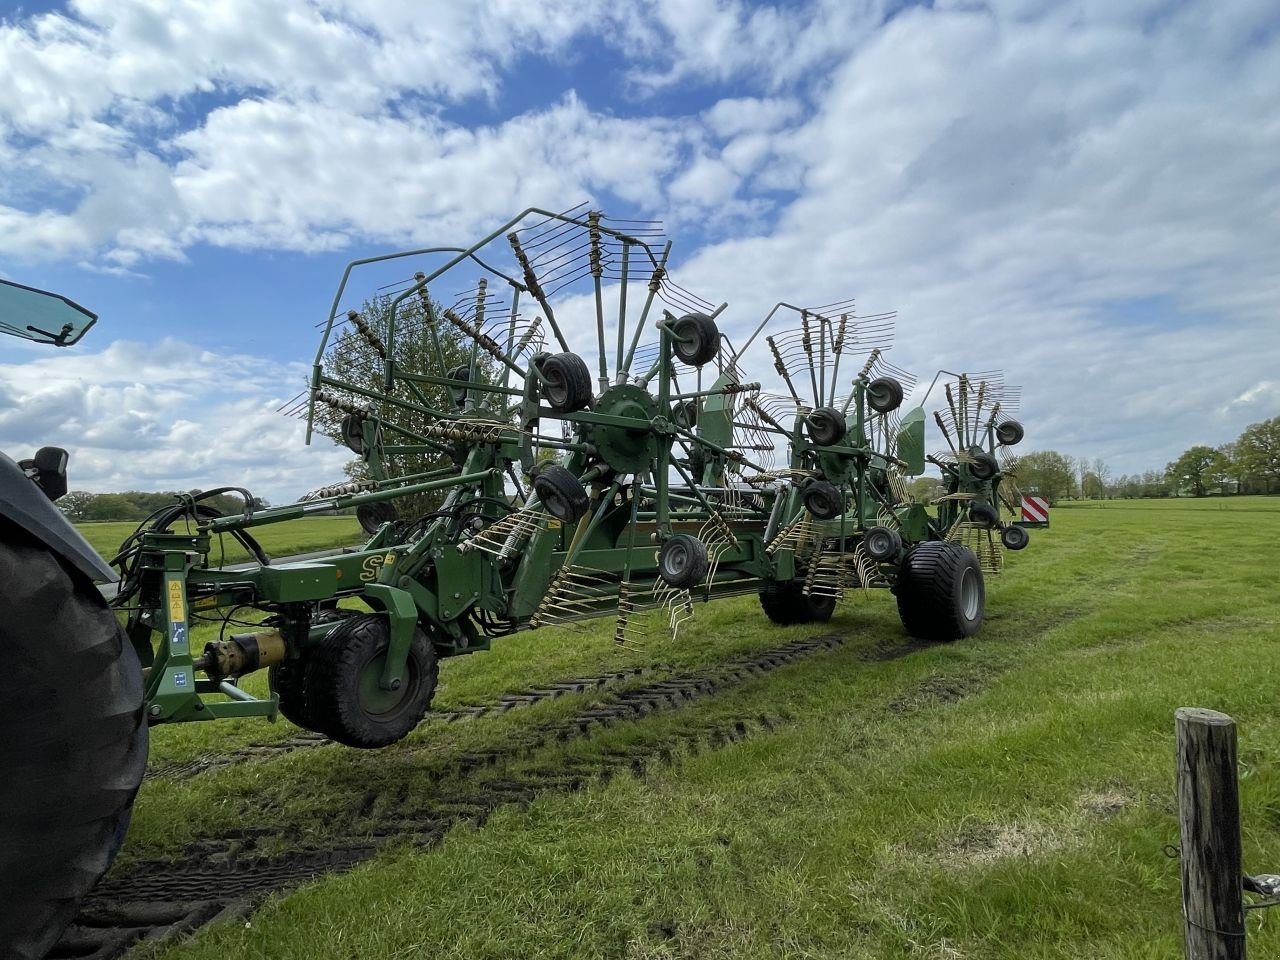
(75, 503)
(1259, 453)
(1047, 472)
(1195, 470)
(924, 489)
(354, 358)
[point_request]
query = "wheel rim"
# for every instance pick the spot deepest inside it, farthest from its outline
(970, 596)
(556, 505)
(379, 704)
(557, 391)
(677, 562)
(878, 546)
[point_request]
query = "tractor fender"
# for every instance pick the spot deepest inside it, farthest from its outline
(26, 505)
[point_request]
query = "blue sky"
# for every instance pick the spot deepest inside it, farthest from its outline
(1084, 193)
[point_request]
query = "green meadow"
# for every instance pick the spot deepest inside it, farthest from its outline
(1007, 796)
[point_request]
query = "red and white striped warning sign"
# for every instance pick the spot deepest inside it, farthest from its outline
(1035, 509)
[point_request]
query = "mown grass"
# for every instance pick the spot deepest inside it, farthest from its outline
(1008, 796)
(277, 539)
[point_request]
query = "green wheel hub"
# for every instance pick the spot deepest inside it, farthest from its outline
(377, 702)
(629, 448)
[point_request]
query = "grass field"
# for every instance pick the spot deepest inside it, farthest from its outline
(277, 539)
(1007, 796)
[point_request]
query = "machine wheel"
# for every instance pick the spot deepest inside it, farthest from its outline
(74, 746)
(787, 604)
(983, 466)
(882, 543)
(683, 561)
(826, 426)
(561, 493)
(685, 414)
(985, 514)
(884, 394)
(1014, 538)
(461, 372)
(941, 595)
(822, 499)
(344, 697)
(353, 433)
(289, 681)
(695, 338)
(371, 516)
(1009, 433)
(566, 382)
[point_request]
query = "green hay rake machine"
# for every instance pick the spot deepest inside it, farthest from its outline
(548, 430)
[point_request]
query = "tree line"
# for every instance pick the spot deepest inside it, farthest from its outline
(1248, 464)
(81, 506)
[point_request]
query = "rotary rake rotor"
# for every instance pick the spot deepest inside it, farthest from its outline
(979, 468)
(842, 515)
(564, 382)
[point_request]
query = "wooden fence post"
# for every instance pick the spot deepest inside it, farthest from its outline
(1209, 821)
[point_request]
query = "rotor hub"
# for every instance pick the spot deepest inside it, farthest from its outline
(629, 447)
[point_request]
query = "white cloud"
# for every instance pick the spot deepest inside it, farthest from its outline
(1013, 176)
(164, 416)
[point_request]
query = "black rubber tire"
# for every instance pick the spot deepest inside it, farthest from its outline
(561, 493)
(826, 426)
(352, 649)
(882, 544)
(1009, 433)
(683, 561)
(684, 413)
(353, 433)
(461, 372)
(983, 466)
(566, 382)
(786, 604)
(371, 516)
(884, 394)
(289, 681)
(934, 591)
(290, 678)
(985, 514)
(823, 499)
(73, 742)
(1014, 538)
(695, 339)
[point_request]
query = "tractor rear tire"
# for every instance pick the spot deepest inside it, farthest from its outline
(74, 742)
(941, 595)
(786, 604)
(344, 698)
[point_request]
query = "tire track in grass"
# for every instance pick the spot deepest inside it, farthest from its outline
(305, 739)
(158, 901)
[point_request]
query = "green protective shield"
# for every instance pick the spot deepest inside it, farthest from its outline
(911, 442)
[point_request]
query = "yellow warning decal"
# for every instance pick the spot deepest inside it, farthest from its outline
(204, 603)
(553, 524)
(177, 601)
